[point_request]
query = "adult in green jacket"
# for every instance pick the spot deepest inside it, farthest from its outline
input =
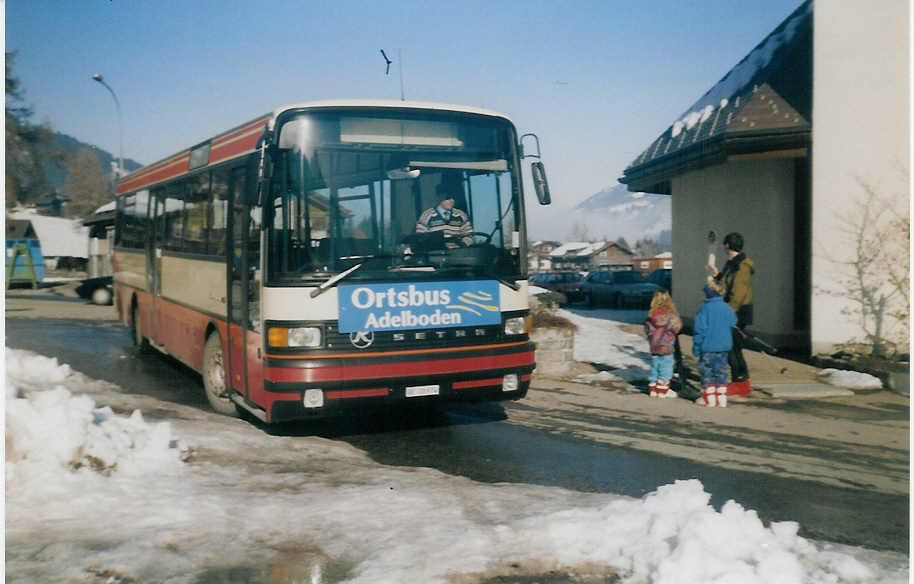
(736, 277)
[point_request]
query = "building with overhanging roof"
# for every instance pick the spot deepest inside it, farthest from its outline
(776, 151)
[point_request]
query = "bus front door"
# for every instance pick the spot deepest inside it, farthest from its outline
(244, 341)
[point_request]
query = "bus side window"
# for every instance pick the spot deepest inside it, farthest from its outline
(196, 214)
(173, 216)
(219, 209)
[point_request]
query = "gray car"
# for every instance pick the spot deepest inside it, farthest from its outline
(618, 289)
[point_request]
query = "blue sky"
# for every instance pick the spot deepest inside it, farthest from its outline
(597, 81)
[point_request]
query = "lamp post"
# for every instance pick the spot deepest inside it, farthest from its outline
(120, 123)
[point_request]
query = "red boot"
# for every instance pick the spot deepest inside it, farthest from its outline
(739, 388)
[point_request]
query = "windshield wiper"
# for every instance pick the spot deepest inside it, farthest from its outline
(332, 281)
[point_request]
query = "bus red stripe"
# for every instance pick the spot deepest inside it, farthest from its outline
(394, 370)
(175, 167)
(257, 124)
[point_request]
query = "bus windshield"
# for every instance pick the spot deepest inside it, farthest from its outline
(362, 187)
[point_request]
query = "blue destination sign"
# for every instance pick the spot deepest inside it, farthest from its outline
(423, 305)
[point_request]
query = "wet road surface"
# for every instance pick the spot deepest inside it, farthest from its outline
(479, 442)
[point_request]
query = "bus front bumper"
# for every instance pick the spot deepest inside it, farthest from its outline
(301, 388)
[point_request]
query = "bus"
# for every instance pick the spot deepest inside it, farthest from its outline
(282, 259)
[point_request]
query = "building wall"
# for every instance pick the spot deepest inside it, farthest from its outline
(861, 130)
(756, 199)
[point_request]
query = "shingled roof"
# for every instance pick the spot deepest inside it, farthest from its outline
(763, 104)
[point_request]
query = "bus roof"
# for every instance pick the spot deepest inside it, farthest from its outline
(387, 103)
(243, 138)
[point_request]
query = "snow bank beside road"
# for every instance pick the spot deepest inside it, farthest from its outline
(849, 379)
(49, 431)
(256, 507)
(600, 339)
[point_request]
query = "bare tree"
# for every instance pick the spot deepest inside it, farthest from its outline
(647, 247)
(875, 276)
(85, 183)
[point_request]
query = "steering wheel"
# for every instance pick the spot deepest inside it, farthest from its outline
(487, 236)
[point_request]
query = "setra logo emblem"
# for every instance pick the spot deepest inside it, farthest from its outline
(361, 339)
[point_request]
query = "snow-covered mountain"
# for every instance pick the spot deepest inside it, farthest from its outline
(608, 215)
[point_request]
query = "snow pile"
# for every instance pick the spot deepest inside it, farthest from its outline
(849, 379)
(23, 367)
(49, 429)
(674, 535)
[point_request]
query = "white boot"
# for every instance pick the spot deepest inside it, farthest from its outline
(663, 388)
(652, 389)
(721, 396)
(708, 397)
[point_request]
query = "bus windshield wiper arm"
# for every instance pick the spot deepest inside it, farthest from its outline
(332, 281)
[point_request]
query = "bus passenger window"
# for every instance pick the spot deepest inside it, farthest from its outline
(219, 222)
(173, 216)
(196, 214)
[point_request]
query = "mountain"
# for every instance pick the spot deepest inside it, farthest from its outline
(68, 145)
(608, 215)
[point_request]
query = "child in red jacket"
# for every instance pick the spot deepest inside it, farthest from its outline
(662, 326)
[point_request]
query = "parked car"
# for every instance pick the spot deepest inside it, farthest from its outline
(567, 283)
(663, 278)
(98, 290)
(618, 289)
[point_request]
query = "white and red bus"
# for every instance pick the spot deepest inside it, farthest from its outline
(280, 259)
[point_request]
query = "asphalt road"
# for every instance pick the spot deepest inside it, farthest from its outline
(838, 467)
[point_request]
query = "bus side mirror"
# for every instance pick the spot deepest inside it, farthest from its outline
(539, 183)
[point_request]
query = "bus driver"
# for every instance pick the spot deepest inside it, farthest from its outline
(444, 217)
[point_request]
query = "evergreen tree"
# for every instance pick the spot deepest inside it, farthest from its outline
(29, 146)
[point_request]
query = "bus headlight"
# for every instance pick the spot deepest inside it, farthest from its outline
(306, 336)
(515, 326)
(313, 398)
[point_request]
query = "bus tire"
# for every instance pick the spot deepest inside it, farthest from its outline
(139, 339)
(214, 381)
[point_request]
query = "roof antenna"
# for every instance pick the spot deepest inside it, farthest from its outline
(387, 62)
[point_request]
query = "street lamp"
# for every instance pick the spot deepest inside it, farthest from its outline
(120, 123)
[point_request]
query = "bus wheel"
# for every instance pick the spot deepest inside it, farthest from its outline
(214, 377)
(139, 340)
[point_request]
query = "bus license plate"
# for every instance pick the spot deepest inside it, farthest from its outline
(419, 390)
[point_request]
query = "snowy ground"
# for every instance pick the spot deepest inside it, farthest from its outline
(93, 495)
(601, 339)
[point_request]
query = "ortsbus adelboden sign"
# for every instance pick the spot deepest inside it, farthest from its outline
(387, 307)
(284, 259)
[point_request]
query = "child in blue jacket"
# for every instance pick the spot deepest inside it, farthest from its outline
(711, 341)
